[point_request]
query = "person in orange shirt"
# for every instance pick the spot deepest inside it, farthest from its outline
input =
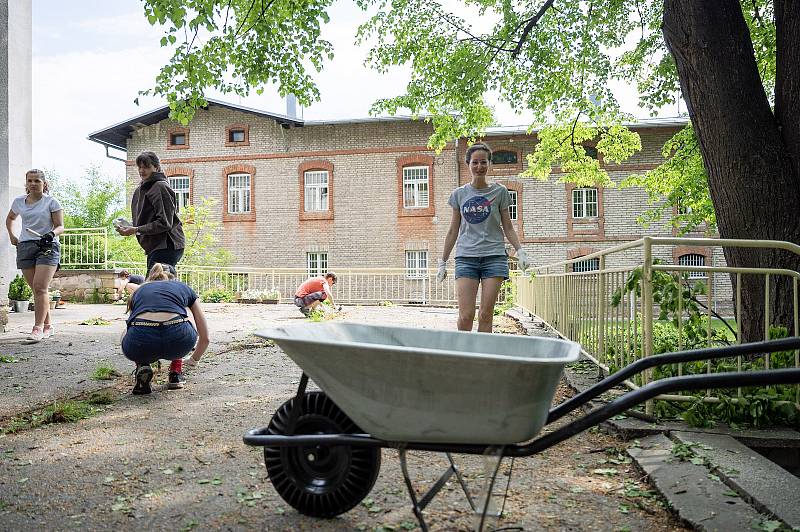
(312, 292)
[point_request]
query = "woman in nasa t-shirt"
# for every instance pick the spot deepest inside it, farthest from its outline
(478, 230)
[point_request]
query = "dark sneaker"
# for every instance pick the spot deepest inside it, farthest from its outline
(305, 311)
(144, 374)
(176, 381)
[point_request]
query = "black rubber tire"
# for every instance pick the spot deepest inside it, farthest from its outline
(320, 481)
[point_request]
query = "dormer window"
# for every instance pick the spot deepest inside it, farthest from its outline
(237, 135)
(178, 138)
(505, 157)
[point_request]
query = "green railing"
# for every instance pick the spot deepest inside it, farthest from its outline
(612, 313)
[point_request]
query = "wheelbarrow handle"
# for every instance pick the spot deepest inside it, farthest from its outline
(654, 389)
(709, 353)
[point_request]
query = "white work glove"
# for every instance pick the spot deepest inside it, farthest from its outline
(522, 260)
(441, 275)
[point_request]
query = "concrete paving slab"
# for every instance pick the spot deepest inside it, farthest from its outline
(763, 483)
(693, 494)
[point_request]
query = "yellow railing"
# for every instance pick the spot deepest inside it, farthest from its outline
(611, 311)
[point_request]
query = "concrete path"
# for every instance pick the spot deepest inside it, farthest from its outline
(175, 459)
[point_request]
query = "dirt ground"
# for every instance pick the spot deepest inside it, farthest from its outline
(174, 460)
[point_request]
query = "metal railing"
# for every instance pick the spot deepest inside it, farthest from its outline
(612, 313)
(85, 247)
(366, 286)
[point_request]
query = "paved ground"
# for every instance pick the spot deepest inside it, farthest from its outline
(175, 459)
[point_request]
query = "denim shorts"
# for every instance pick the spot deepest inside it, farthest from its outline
(482, 267)
(29, 254)
(145, 345)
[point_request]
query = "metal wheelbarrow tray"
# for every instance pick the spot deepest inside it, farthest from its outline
(442, 391)
(403, 384)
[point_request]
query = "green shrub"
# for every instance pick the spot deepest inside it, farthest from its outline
(19, 290)
(218, 295)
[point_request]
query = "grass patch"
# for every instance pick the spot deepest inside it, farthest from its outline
(104, 372)
(69, 411)
(95, 321)
(8, 359)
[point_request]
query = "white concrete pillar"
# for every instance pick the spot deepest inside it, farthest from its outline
(15, 123)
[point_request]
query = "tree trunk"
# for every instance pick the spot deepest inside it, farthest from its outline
(752, 155)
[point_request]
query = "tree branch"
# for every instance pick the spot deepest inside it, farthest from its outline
(531, 23)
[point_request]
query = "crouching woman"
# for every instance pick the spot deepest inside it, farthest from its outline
(160, 327)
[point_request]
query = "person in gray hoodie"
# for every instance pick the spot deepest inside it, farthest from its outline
(155, 215)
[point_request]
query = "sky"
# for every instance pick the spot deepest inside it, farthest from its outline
(92, 57)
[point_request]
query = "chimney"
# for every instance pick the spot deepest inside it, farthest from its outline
(291, 105)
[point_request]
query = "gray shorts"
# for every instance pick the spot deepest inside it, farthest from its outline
(29, 255)
(307, 300)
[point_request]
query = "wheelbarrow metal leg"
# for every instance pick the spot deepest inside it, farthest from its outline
(411, 493)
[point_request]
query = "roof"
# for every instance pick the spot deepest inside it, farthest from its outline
(117, 135)
(673, 121)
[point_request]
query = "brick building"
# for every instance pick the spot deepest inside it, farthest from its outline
(370, 193)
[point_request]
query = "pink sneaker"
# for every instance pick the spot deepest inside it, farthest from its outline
(48, 331)
(36, 334)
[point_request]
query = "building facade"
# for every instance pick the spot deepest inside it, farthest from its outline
(371, 194)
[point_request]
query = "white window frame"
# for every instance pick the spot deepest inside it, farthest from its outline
(317, 263)
(416, 263)
(513, 207)
(416, 187)
(239, 186)
(584, 203)
(181, 193)
(693, 259)
(588, 265)
(316, 191)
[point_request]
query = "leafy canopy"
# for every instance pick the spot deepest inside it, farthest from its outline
(554, 59)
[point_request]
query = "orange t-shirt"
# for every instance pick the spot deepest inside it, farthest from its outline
(314, 284)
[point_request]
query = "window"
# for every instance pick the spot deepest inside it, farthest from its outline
(589, 265)
(236, 135)
(317, 263)
(693, 259)
(316, 190)
(505, 157)
(584, 203)
(180, 184)
(512, 206)
(238, 193)
(177, 139)
(415, 187)
(416, 264)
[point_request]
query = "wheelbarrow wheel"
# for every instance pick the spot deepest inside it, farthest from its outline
(320, 481)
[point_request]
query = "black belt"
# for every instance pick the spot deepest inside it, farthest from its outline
(158, 323)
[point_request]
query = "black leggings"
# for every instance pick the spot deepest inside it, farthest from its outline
(165, 256)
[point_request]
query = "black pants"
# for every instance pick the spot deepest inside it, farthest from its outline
(165, 256)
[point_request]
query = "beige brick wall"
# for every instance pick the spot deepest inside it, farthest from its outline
(366, 230)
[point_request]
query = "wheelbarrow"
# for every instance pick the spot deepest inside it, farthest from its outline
(441, 391)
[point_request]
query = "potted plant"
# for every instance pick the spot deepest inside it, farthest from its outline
(55, 297)
(19, 293)
(273, 295)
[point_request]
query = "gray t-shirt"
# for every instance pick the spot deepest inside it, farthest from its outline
(37, 216)
(481, 231)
